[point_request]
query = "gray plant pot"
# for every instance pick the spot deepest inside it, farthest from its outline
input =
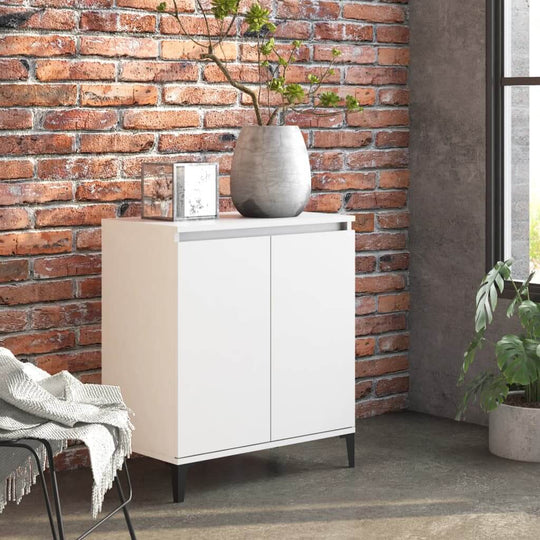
(270, 175)
(514, 433)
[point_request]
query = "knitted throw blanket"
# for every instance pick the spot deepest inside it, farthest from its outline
(58, 408)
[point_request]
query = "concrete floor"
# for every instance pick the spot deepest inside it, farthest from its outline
(417, 477)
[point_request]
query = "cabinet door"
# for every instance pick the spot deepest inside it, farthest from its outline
(224, 344)
(312, 333)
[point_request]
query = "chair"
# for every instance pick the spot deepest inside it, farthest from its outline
(58, 530)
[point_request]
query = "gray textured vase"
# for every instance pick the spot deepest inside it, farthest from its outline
(514, 433)
(270, 175)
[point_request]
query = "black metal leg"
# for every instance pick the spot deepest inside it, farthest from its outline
(54, 484)
(349, 439)
(124, 504)
(179, 474)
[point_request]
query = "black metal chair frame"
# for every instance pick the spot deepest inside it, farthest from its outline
(58, 530)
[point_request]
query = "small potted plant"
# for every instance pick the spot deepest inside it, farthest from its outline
(270, 175)
(511, 391)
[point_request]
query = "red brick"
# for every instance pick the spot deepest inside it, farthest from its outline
(392, 139)
(293, 30)
(160, 120)
(35, 243)
(374, 13)
(381, 366)
(116, 142)
(379, 324)
(80, 119)
(379, 118)
(229, 118)
(13, 270)
(69, 265)
(239, 72)
(37, 95)
(59, 315)
(307, 9)
(393, 220)
(365, 264)
(13, 70)
(379, 284)
(365, 305)
(378, 159)
(13, 218)
(30, 293)
(394, 302)
(106, 21)
(307, 120)
(325, 202)
(89, 288)
(114, 95)
(249, 52)
(326, 161)
(392, 34)
(395, 261)
(36, 144)
(194, 25)
(341, 138)
(108, 190)
(364, 346)
(393, 96)
(119, 47)
(396, 342)
(362, 389)
(336, 31)
(12, 320)
(376, 199)
(15, 119)
(89, 239)
(16, 169)
(349, 54)
(393, 56)
(380, 241)
(74, 457)
(343, 181)
(74, 215)
(196, 142)
(375, 407)
(72, 361)
(187, 50)
(364, 223)
(49, 19)
(150, 5)
(85, 70)
(146, 71)
(77, 168)
(376, 75)
(394, 179)
(35, 192)
(42, 45)
(395, 385)
(90, 335)
(199, 95)
(41, 342)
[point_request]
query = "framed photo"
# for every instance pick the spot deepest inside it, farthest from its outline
(179, 191)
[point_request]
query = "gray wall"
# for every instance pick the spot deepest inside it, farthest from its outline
(447, 196)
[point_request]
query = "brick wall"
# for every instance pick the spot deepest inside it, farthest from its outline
(90, 89)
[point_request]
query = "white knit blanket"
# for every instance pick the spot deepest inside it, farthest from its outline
(58, 408)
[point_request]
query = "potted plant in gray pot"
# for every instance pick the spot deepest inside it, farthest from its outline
(510, 392)
(270, 175)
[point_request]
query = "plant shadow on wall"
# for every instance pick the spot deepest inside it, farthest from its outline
(270, 175)
(511, 391)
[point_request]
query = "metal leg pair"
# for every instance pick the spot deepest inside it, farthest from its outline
(58, 531)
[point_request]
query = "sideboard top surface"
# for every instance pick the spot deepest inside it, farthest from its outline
(233, 224)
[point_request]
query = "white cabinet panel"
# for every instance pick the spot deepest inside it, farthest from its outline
(312, 333)
(224, 344)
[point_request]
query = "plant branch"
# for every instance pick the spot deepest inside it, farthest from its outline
(235, 84)
(182, 29)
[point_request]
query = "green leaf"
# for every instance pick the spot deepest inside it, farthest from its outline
(224, 8)
(258, 19)
(162, 7)
(268, 47)
(296, 44)
(352, 104)
(469, 356)
(529, 316)
(490, 389)
(329, 99)
(336, 52)
(294, 93)
(515, 360)
(486, 298)
(283, 62)
(277, 84)
(313, 79)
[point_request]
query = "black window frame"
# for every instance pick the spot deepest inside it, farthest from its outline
(496, 82)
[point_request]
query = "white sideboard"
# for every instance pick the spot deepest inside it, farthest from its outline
(231, 335)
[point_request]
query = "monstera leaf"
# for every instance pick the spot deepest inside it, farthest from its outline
(490, 388)
(475, 345)
(529, 315)
(517, 359)
(486, 298)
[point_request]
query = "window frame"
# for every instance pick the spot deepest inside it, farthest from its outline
(496, 82)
